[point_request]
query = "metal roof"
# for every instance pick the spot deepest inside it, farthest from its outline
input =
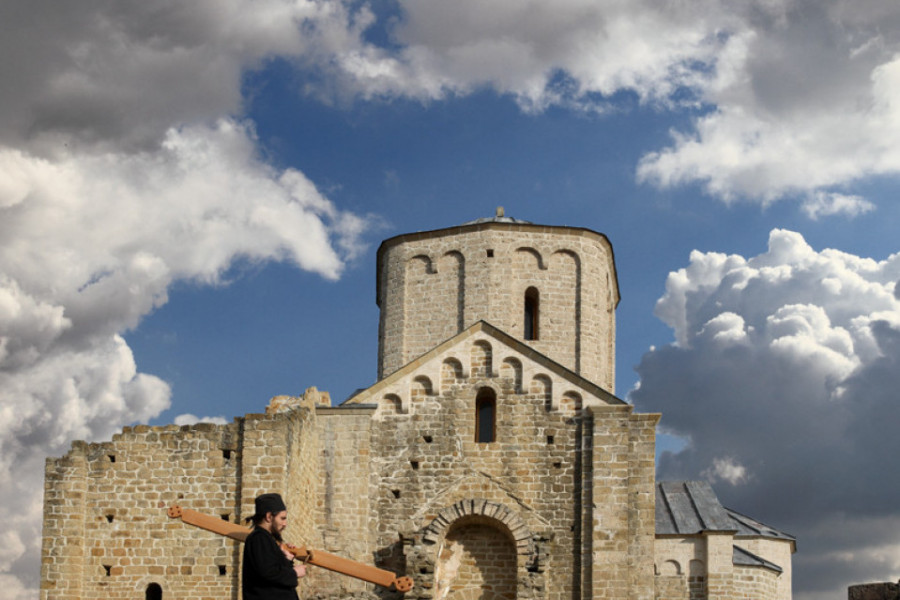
(497, 220)
(499, 217)
(692, 507)
(689, 507)
(742, 557)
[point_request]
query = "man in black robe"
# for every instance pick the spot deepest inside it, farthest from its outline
(268, 571)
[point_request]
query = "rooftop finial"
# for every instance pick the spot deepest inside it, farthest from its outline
(499, 211)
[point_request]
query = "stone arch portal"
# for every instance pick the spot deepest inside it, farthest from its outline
(481, 546)
(476, 561)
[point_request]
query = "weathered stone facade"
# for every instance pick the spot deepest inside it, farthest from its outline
(433, 285)
(482, 464)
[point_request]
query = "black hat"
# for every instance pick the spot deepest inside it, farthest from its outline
(268, 503)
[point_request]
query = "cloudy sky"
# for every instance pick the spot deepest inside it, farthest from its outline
(191, 195)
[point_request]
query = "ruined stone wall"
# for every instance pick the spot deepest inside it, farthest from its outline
(435, 284)
(874, 591)
(106, 531)
(63, 551)
(107, 535)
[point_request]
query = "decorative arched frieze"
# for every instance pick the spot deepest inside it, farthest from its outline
(453, 262)
(696, 568)
(542, 387)
(511, 368)
(526, 256)
(420, 264)
(669, 568)
(419, 388)
(390, 404)
(570, 403)
(481, 359)
(451, 373)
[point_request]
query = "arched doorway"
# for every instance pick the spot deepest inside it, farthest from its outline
(476, 561)
(153, 592)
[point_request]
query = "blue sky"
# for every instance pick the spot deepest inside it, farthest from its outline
(191, 198)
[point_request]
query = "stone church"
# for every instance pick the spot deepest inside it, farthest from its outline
(491, 459)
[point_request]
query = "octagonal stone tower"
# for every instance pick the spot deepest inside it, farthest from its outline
(554, 288)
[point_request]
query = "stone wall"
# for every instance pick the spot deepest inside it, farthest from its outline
(570, 476)
(755, 583)
(343, 512)
(107, 535)
(106, 532)
(433, 285)
(874, 591)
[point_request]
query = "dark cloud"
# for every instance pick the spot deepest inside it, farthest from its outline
(783, 380)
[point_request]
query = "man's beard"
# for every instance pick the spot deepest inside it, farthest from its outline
(277, 536)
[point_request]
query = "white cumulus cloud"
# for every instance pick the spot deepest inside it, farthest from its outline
(782, 378)
(125, 166)
(791, 98)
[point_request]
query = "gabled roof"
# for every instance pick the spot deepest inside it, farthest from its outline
(692, 507)
(518, 346)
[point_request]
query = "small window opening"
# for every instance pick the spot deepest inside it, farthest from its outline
(549, 440)
(428, 439)
(225, 516)
(396, 493)
(154, 592)
(485, 416)
(532, 310)
(557, 465)
(415, 465)
(112, 457)
(110, 517)
(108, 569)
(490, 253)
(226, 454)
(223, 570)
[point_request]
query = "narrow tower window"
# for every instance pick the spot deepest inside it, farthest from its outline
(153, 592)
(485, 416)
(532, 311)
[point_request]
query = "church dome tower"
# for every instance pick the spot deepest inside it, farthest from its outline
(554, 288)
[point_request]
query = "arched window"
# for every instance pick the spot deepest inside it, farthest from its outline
(532, 311)
(154, 592)
(485, 416)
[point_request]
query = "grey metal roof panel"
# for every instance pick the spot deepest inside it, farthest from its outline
(497, 220)
(689, 507)
(712, 513)
(692, 507)
(747, 526)
(665, 524)
(742, 557)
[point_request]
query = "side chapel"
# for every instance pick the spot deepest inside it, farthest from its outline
(490, 460)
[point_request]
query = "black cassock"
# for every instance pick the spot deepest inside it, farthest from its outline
(267, 573)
